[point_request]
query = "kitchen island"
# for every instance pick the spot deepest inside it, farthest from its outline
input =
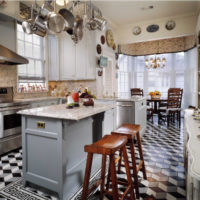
(53, 140)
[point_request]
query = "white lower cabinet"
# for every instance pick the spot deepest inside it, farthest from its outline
(70, 61)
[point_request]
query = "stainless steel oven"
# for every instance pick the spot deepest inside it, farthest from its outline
(10, 121)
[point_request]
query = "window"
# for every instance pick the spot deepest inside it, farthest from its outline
(180, 71)
(31, 77)
(123, 87)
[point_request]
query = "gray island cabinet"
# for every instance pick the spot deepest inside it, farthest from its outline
(53, 140)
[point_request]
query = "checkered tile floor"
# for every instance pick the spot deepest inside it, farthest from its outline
(163, 154)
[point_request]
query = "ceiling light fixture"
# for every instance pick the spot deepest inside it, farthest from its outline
(155, 63)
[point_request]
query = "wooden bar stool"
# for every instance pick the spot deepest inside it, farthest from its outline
(131, 131)
(108, 146)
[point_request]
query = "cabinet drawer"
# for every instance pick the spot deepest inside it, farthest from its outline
(41, 124)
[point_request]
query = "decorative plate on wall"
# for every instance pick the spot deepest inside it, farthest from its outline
(137, 30)
(103, 39)
(170, 25)
(98, 48)
(109, 38)
(152, 28)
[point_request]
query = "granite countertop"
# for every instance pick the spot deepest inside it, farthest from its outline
(193, 144)
(61, 112)
(122, 99)
(35, 99)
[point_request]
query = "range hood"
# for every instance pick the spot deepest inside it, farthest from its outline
(8, 57)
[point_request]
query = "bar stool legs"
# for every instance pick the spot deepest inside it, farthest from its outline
(132, 131)
(141, 156)
(87, 176)
(108, 146)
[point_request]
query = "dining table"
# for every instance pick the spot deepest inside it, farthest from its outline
(156, 102)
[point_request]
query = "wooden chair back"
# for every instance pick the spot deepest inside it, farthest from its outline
(174, 97)
(137, 92)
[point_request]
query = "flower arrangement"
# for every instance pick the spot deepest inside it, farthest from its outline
(155, 94)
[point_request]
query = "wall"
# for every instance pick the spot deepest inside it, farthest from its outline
(185, 25)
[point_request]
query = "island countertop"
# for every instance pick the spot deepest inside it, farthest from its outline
(61, 112)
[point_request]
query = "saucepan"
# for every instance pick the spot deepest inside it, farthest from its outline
(55, 22)
(69, 20)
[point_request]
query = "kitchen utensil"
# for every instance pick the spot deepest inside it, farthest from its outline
(69, 20)
(91, 25)
(28, 25)
(103, 39)
(98, 48)
(78, 27)
(100, 22)
(55, 22)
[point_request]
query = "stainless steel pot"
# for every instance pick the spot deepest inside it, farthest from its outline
(55, 22)
(69, 20)
(78, 28)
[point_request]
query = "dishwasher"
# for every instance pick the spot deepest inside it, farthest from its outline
(125, 112)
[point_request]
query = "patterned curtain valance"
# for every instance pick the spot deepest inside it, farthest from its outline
(171, 45)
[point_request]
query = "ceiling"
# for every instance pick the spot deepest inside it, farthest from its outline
(128, 12)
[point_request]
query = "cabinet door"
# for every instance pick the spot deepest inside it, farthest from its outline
(81, 57)
(53, 59)
(67, 57)
(91, 55)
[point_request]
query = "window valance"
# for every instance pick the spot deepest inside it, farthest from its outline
(170, 45)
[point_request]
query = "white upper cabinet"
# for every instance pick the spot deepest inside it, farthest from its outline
(91, 54)
(53, 58)
(70, 61)
(81, 58)
(67, 57)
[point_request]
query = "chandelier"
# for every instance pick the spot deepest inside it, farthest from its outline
(155, 63)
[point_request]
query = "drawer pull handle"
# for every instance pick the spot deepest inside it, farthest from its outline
(41, 125)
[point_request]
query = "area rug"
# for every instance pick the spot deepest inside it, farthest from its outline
(16, 191)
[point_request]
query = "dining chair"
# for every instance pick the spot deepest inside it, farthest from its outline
(137, 92)
(173, 106)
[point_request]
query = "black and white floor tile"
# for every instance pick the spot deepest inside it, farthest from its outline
(163, 154)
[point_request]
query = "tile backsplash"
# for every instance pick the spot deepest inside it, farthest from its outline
(68, 86)
(8, 78)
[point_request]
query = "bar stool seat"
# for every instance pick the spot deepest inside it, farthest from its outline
(131, 131)
(108, 146)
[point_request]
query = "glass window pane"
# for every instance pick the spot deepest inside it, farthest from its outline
(22, 70)
(38, 69)
(28, 49)
(36, 39)
(31, 68)
(36, 51)
(20, 47)
(28, 38)
(20, 35)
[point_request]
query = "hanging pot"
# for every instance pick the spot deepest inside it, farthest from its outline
(28, 25)
(55, 22)
(69, 20)
(78, 27)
